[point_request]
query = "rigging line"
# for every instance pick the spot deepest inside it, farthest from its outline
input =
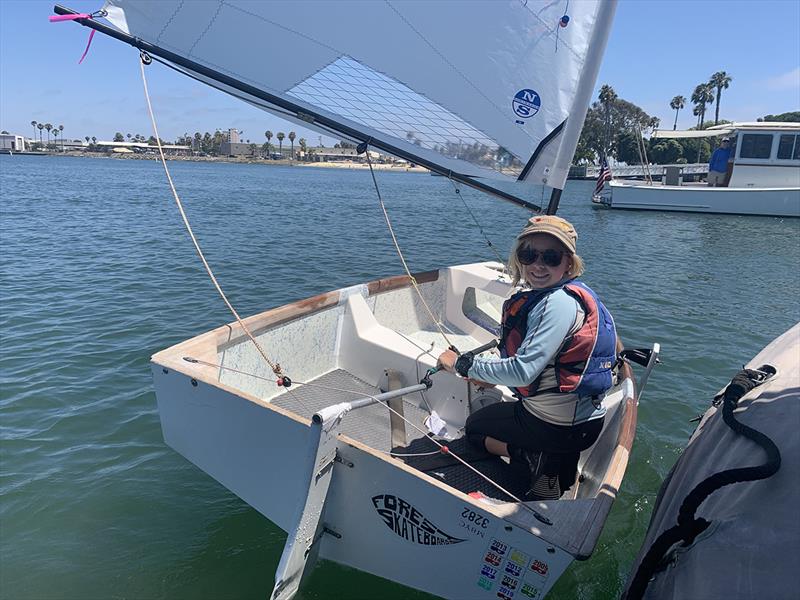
(423, 351)
(475, 219)
(646, 160)
(400, 252)
(276, 368)
(398, 454)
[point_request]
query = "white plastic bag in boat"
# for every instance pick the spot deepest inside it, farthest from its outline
(438, 427)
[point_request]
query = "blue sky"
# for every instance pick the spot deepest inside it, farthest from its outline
(657, 50)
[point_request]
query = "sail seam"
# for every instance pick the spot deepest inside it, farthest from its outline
(169, 21)
(210, 23)
(278, 25)
(455, 69)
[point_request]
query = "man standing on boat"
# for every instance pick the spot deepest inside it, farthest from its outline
(718, 165)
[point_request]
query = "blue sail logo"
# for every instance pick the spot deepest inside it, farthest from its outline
(526, 103)
(410, 524)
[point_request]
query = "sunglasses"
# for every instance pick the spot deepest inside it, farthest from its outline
(528, 256)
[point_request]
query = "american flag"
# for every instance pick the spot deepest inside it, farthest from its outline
(605, 175)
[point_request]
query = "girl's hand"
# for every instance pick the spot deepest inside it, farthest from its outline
(447, 361)
(481, 384)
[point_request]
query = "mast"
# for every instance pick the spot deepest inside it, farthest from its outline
(583, 97)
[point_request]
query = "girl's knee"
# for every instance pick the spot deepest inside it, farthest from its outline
(477, 439)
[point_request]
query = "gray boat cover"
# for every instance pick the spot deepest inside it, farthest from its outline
(752, 547)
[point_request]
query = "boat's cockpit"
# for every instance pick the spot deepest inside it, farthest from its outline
(359, 342)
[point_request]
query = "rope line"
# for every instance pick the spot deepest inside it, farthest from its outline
(400, 254)
(412, 454)
(478, 225)
(276, 368)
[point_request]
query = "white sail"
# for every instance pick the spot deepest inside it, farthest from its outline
(494, 90)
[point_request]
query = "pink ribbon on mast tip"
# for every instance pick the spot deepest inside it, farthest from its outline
(58, 18)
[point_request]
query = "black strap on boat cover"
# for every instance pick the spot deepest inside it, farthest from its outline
(689, 527)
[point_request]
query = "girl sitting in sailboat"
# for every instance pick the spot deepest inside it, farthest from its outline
(557, 351)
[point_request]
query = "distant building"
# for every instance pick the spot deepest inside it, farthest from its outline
(12, 143)
(72, 145)
(239, 149)
(233, 136)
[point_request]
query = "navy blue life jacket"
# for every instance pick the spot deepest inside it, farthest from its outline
(584, 362)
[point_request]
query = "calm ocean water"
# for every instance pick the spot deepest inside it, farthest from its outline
(97, 273)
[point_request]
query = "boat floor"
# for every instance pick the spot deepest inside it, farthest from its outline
(371, 425)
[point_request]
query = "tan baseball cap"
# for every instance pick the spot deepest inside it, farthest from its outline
(559, 228)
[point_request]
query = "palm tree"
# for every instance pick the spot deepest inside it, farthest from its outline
(48, 127)
(61, 135)
(703, 94)
(40, 126)
(268, 135)
(291, 139)
(678, 102)
(280, 137)
(719, 80)
(55, 134)
(607, 98)
(303, 146)
(94, 140)
(33, 124)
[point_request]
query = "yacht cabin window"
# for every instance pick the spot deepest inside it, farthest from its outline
(756, 145)
(789, 147)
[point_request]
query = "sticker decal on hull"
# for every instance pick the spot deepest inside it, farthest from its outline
(409, 523)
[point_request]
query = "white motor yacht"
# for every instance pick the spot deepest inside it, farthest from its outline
(763, 176)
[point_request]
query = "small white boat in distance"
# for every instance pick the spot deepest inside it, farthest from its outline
(763, 177)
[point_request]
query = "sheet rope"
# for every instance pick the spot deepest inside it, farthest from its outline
(276, 368)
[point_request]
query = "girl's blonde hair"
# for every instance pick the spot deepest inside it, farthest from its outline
(516, 270)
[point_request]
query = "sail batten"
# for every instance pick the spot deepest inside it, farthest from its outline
(481, 90)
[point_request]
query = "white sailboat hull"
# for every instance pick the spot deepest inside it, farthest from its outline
(773, 202)
(378, 514)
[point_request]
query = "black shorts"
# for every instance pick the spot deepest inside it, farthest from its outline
(512, 423)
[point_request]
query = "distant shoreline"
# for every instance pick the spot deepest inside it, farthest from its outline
(244, 161)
